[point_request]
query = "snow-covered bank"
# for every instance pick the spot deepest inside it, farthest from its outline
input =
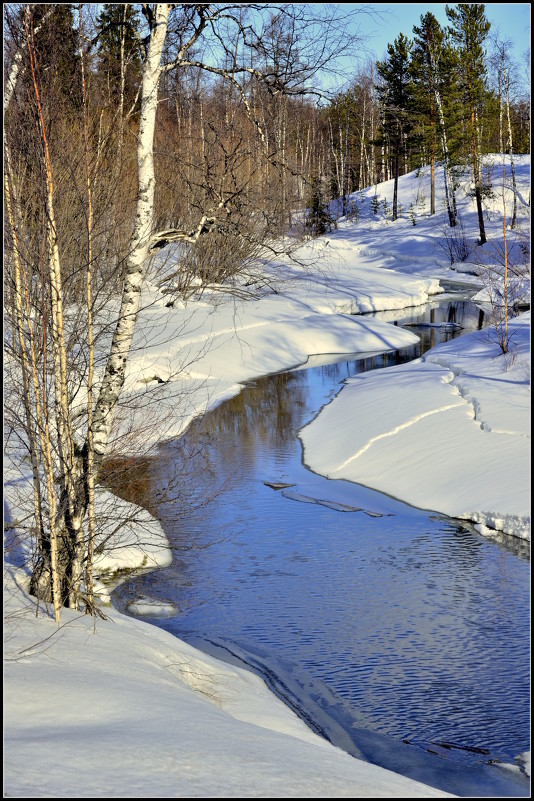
(129, 711)
(448, 432)
(192, 356)
(452, 434)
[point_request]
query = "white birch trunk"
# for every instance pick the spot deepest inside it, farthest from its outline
(41, 420)
(372, 177)
(115, 371)
(90, 469)
(501, 113)
(510, 144)
(334, 156)
(362, 148)
(70, 516)
(447, 176)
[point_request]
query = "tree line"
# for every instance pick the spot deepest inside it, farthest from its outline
(129, 127)
(444, 95)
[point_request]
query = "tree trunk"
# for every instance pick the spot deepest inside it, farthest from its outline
(48, 549)
(477, 175)
(432, 158)
(362, 149)
(396, 176)
(115, 372)
(447, 176)
(90, 466)
(66, 532)
(372, 176)
(510, 146)
(478, 181)
(501, 112)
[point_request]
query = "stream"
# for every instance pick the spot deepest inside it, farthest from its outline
(401, 635)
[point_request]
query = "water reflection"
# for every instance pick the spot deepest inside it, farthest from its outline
(407, 625)
(438, 321)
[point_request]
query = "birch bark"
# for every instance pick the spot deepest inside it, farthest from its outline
(450, 194)
(115, 371)
(506, 76)
(70, 517)
(51, 547)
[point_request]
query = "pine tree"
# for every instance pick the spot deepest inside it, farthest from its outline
(434, 69)
(396, 94)
(318, 218)
(56, 54)
(340, 117)
(469, 29)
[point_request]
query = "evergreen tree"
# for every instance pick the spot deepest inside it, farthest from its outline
(119, 53)
(469, 29)
(340, 117)
(56, 54)
(434, 68)
(396, 94)
(318, 218)
(424, 77)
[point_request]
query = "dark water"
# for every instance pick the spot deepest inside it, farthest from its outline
(393, 631)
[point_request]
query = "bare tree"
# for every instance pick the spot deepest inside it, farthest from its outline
(172, 36)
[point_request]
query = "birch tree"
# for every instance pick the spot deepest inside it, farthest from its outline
(280, 76)
(171, 38)
(507, 145)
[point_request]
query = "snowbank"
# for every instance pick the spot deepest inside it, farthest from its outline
(126, 710)
(449, 432)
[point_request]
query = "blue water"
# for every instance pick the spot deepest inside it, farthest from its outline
(401, 635)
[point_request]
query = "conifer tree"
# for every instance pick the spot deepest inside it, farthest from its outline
(56, 53)
(396, 94)
(434, 70)
(119, 53)
(469, 29)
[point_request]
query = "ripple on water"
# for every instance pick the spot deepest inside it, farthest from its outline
(415, 626)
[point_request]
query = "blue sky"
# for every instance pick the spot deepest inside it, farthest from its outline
(511, 20)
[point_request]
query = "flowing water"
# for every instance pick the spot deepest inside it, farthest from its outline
(399, 634)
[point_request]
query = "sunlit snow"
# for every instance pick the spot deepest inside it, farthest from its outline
(123, 709)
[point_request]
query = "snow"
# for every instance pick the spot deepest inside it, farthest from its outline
(131, 711)
(121, 708)
(453, 435)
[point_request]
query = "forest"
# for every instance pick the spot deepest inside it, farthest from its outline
(129, 127)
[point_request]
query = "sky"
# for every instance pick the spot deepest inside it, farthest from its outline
(159, 718)
(511, 19)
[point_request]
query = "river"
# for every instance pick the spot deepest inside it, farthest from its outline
(399, 634)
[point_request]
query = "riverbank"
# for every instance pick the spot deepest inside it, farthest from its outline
(453, 436)
(155, 717)
(129, 711)
(449, 432)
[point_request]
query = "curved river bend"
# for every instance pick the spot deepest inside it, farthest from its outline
(401, 635)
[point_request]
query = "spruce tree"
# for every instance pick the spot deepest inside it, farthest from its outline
(56, 54)
(318, 218)
(119, 53)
